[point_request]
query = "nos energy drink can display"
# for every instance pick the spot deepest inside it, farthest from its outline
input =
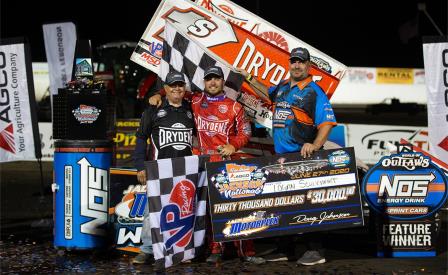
(81, 199)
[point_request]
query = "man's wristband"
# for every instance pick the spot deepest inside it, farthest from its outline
(249, 77)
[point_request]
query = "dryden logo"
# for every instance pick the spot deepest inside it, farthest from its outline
(405, 186)
(177, 218)
(178, 136)
(94, 197)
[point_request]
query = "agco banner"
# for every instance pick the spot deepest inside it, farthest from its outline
(406, 190)
(284, 194)
(235, 45)
(19, 134)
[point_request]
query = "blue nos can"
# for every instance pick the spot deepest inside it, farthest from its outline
(81, 199)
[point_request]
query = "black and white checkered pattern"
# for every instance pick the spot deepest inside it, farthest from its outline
(163, 175)
(186, 56)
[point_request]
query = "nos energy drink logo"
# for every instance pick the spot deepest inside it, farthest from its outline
(177, 218)
(405, 186)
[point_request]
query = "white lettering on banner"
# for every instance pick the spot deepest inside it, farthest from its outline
(257, 63)
(11, 133)
(124, 235)
(405, 185)
(400, 235)
(68, 202)
(94, 198)
(310, 183)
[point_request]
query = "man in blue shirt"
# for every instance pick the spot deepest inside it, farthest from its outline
(302, 120)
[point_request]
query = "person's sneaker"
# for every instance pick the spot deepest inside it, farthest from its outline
(254, 260)
(143, 258)
(159, 266)
(277, 257)
(311, 257)
(214, 258)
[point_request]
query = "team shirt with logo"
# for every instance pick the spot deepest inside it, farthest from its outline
(299, 112)
(170, 130)
(219, 120)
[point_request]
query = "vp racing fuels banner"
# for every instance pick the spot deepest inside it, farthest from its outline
(284, 195)
(237, 46)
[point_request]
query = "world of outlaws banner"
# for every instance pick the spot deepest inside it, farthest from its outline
(284, 194)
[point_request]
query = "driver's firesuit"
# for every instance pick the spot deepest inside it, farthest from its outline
(220, 120)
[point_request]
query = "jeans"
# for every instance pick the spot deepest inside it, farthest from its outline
(146, 246)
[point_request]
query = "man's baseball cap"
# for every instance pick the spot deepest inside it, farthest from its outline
(173, 77)
(300, 53)
(214, 70)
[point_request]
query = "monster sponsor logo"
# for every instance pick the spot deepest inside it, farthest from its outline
(256, 222)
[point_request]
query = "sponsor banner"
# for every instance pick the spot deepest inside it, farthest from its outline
(234, 44)
(267, 31)
(371, 141)
(435, 55)
(419, 76)
(406, 190)
(19, 139)
(125, 141)
(60, 42)
(284, 194)
(416, 238)
(394, 76)
(361, 75)
(127, 206)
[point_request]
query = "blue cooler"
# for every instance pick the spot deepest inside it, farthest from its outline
(81, 193)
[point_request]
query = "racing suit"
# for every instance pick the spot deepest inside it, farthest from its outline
(220, 120)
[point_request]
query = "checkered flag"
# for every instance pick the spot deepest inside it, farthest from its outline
(177, 193)
(182, 54)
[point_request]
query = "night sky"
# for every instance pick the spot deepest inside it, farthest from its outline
(357, 33)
